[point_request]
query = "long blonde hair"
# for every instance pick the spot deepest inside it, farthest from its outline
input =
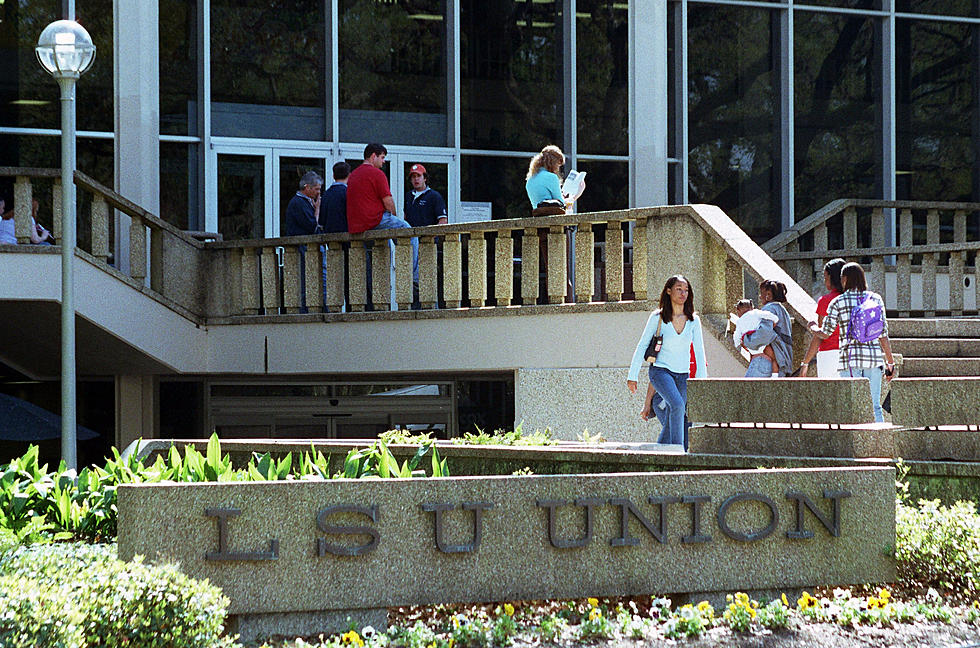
(550, 158)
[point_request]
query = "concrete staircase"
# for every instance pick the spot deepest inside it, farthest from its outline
(936, 346)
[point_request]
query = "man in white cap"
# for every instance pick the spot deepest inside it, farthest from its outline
(423, 205)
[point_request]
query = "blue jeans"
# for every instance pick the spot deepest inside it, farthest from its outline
(672, 387)
(759, 367)
(874, 376)
(390, 221)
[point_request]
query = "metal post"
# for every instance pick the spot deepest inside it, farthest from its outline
(68, 445)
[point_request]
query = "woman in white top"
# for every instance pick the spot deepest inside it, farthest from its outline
(38, 234)
(680, 327)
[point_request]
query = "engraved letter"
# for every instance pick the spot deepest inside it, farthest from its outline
(223, 553)
(626, 508)
(323, 547)
(476, 507)
(802, 500)
(696, 501)
(747, 537)
(561, 543)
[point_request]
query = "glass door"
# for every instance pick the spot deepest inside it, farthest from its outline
(241, 204)
(289, 166)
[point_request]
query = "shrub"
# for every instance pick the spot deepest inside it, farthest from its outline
(76, 595)
(938, 545)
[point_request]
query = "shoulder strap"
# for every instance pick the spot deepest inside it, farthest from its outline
(660, 320)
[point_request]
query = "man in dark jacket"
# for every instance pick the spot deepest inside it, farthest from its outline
(333, 203)
(301, 212)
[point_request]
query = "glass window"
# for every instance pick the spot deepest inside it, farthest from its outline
(179, 185)
(837, 98)
(393, 72)
(511, 74)
(178, 67)
(94, 92)
(241, 196)
(733, 112)
(28, 95)
(606, 187)
(940, 7)
(602, 76)
(267, 69)
(497, 180)
(936, 91)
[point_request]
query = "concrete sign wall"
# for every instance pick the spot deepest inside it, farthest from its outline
(277, 547)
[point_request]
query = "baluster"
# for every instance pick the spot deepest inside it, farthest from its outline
(557, 264)
(313, 272)
(903, 262)
(22, 209)
(291, 296)
(269, 264)
(584, 263)
(249, 260)
(335, 275)
(477, 269)
(929, 262)
(358, 276)
(640, 260)
(452, 267)
(957, 261)
(850, 229)
(614, 261)
(878, 276)
(530, 251)
(137, 249)
(156, 259)
(428, 272)
(100, 228)
(820, 244)
(503, 267)
(381, 275)
(56, 209)
(404, 279)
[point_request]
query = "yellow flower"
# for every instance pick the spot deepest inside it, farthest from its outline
(728, 598)
(785, 602)
(976, 605)
(806, 602)
(594, 602)
(353, 638)
(508, 609)
(452, 642)
(455, 621)
(884, 594)
(874, 604)
(595, 614)
(742, 598)
(704, 606)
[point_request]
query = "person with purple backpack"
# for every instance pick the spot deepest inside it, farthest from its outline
(864, 347)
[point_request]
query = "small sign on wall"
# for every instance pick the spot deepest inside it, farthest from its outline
(474, 212)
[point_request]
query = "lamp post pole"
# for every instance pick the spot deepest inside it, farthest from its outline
(65, 51)
(68, 377)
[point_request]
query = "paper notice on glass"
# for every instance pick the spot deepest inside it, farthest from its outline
(573, 185)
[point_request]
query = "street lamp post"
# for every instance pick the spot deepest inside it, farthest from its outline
(66, 51)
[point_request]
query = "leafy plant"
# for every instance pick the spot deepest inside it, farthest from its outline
(938, 545)
(515, 437)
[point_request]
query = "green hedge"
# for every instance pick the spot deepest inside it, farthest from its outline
(938, 546)
(79, 595)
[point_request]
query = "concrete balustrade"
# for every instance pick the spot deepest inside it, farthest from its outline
(928, 278)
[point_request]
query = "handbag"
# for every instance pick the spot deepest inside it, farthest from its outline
(549, 207)
(655, 343)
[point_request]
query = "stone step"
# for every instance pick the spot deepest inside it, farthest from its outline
(962, 327)
(933, 366)
(933, 347)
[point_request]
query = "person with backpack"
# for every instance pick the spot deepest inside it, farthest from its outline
(864, 347)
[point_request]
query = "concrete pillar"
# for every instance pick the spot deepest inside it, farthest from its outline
(648, 103)
(137, 409)
(137, 113)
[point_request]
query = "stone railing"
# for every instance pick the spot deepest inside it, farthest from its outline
(933, 268)
(162, 259)
(609, 259)
(583, 258)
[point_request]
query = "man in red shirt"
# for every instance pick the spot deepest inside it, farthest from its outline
(370, 205)
(369, 202)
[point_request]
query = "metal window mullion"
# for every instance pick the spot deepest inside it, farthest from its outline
(787, 169)
(681, 121)
(208, 178)
(569, 93)
(333, 22)
(888, 116)
(648, 92)
(454, 105)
